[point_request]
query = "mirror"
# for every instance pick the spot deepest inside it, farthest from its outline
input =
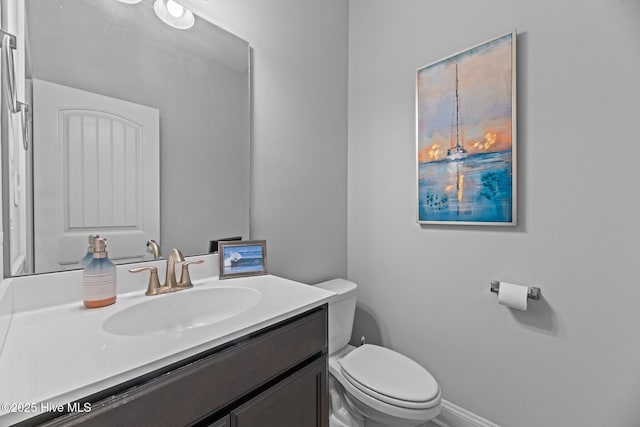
(108, 80)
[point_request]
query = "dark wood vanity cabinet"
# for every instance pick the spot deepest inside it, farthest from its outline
(298, 401)
(276, 377)
(224, 422)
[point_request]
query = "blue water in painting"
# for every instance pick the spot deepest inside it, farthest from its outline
(475, 189)
(251, 259)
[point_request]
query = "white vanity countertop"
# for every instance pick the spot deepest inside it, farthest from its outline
(60, 354)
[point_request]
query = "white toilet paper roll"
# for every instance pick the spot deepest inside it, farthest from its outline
(512, 295)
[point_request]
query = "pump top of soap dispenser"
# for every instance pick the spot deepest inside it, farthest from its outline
(89, 255)
(100, 248)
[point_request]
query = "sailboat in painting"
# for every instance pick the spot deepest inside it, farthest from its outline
(456, 151)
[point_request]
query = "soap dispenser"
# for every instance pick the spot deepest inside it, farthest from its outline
(89, 256)
(99, 278)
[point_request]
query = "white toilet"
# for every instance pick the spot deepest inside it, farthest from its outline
(372, 386)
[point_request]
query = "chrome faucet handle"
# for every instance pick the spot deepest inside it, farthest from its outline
(174, 256)
(153, 287)
(185, 278)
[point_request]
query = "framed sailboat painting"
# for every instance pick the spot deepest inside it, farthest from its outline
(466, 136)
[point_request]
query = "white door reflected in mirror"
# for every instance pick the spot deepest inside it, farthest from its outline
(109, 167)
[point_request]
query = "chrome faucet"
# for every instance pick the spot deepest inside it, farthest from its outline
(174, 256)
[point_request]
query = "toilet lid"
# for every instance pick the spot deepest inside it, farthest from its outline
(389, 376)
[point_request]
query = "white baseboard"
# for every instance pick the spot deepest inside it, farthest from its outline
(455, 416)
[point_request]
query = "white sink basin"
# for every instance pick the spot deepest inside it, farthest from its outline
(179, 311)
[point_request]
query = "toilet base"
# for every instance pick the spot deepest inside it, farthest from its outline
(341, 411)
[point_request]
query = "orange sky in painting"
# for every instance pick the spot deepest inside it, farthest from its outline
(489, 139)
(484, 75)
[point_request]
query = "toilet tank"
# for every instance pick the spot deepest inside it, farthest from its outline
(342, 308)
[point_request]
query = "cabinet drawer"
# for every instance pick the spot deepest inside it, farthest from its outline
(207, 385)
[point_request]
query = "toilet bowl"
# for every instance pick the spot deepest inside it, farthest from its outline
(369, 385)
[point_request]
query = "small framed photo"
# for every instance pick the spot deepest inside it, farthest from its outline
(242, 258)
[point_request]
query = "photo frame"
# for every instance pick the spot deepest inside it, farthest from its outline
(466, 136)
(242, 258)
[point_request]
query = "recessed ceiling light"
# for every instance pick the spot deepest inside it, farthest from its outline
(176, 10)
(130, 1)
(174, 14)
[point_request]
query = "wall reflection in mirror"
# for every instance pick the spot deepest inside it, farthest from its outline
(140, 131)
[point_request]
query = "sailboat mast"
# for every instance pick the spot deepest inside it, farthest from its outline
(457, 152)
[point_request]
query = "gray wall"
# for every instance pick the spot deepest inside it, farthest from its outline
(299, 169)
(573, 358)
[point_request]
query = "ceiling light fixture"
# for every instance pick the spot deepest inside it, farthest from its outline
(130, 1)
(174, 14)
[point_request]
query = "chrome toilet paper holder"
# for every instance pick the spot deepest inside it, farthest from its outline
(532, 292)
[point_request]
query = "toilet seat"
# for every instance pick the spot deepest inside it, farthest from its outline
(390, 377)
